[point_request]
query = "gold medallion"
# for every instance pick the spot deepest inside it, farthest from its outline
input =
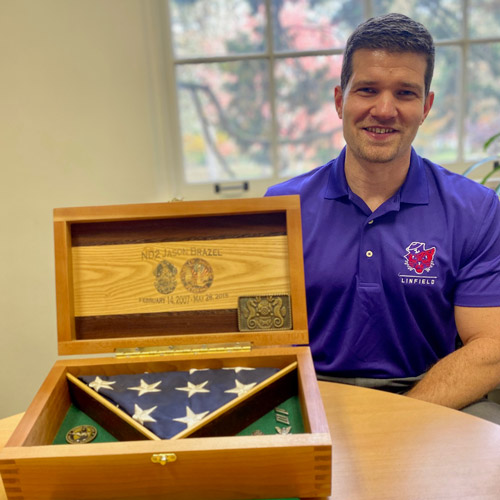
(197, 275)
(165, 277)
(81, 434)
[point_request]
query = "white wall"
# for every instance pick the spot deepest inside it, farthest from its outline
(81, 123)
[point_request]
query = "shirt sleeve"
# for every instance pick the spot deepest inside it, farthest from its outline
(478, 279)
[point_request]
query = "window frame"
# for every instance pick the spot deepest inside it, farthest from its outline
(257, 187)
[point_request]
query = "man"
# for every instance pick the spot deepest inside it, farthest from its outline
(401, 255)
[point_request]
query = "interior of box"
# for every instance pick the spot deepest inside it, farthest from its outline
(68, 404)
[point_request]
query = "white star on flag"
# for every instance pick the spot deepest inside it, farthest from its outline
(143, 415)
(145, 388)
(238, 369)
(240, 388)
(193, 388)
(98, 383)
(191, 418)
(194, 370)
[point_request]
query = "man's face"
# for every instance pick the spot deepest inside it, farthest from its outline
(383, 105)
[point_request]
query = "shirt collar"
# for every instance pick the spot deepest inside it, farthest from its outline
(415, 189)
(337, 184)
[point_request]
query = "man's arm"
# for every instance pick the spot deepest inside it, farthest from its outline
(469, 373)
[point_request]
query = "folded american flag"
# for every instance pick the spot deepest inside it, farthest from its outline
(170, 402)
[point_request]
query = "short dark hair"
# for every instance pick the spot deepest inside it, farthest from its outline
(392, 33)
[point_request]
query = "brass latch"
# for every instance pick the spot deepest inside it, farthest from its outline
(163, 458)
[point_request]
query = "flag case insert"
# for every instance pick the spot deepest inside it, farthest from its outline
(218, 275)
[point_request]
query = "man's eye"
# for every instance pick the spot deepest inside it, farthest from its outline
(407, 93)
(366, 90)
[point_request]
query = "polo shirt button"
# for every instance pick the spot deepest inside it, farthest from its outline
(369, 253)
(370, 222)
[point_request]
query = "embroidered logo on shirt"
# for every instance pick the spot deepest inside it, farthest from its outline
(419, 258)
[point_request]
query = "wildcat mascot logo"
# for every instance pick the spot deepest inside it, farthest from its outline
(419, 258)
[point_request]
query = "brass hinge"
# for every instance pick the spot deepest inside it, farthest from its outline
(172, 350)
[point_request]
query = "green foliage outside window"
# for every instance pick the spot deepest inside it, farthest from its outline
(494, 160)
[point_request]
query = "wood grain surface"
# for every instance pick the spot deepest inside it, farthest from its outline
(139, 278)
(390, 447)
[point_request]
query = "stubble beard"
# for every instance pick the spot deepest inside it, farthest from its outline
(375, 154)
(383, 153)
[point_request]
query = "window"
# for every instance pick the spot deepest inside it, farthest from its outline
(254, 83)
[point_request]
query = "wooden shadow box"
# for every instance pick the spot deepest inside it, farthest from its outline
(174, 287)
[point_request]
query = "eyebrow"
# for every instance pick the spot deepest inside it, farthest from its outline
(410, 85)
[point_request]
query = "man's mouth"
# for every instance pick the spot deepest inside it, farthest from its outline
(379, 130)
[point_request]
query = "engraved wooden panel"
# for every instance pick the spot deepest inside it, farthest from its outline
(177, 276)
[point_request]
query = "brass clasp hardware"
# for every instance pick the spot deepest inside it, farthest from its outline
(163, 458)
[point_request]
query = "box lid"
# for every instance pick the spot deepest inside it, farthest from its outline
(170, 274)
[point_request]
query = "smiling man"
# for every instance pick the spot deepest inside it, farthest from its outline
(402, 257)
(382, 106)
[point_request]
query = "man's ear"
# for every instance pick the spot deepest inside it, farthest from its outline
(338, 101)
(427, 105)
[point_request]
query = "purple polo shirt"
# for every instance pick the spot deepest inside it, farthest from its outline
(381, 286)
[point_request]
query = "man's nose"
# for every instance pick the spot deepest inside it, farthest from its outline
(385, 106)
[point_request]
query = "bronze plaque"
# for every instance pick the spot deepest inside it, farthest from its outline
(264, 312)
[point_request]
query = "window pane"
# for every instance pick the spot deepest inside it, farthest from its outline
(437, 138)
(443, 18)
(314, 24)
(310, 132)
(225, 120)
(483, 102)
(217, 27)
(484, 18)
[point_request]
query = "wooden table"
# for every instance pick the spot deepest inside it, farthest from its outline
(390, 447)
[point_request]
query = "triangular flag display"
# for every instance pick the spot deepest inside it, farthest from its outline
(167, 403)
